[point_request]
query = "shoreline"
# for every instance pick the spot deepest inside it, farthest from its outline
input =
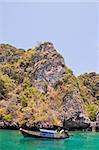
(85, 130)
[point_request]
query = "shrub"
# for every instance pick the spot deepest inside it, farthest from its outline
(8, 117)
(91, 110)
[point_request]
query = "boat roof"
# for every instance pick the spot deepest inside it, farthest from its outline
(48, 131)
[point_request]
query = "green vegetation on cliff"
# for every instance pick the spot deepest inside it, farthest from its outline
(89, 89)
(37, 88)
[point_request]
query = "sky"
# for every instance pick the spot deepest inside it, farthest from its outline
(71, 25)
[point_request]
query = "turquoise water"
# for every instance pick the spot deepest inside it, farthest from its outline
(13, 140)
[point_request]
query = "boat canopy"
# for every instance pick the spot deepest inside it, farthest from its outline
(48, 131)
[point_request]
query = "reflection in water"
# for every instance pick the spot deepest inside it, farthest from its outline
(43, 143)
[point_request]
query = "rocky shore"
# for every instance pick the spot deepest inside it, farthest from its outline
(37, 90)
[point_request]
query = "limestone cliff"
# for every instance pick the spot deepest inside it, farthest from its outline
(37, 89)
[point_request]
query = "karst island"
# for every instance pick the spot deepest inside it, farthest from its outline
(38, 90)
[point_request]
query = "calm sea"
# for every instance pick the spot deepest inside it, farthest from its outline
(13, 140)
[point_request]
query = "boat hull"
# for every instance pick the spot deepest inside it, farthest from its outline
(27, 133)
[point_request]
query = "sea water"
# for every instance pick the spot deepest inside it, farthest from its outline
(13, 140)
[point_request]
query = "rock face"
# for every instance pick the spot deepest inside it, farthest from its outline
(49, 66)
(77, 121)
(75, 118)
(38, 90)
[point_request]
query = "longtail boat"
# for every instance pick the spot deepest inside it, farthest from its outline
(44, 133)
